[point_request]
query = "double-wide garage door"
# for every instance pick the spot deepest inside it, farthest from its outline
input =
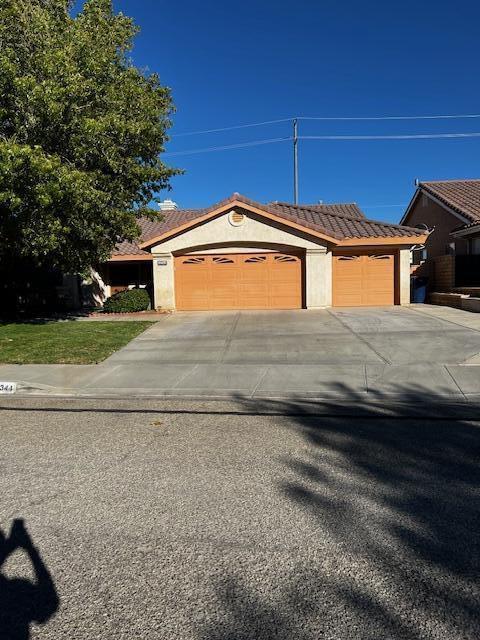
(274, 280)
(363, 279)
(238, 281)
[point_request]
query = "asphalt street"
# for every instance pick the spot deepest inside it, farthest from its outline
(239, 520)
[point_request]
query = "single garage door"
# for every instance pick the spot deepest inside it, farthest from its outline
(363, 279)
(238, 281)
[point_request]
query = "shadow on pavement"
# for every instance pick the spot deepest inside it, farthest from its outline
(395, 499)
(23, 602)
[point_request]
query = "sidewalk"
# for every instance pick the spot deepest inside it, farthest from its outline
(355, 381)
(418, 353)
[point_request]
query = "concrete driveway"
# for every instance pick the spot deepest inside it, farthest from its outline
(392, 335)
(247, 521)
(378, 351)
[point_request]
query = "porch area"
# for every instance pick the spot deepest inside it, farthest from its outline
(114, 276)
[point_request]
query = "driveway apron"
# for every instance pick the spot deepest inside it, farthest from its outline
(417, 351)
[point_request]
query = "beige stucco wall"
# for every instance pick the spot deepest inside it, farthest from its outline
(404, 276)
(163, 280)
(253, 235)
(219, 230)
(318, 268)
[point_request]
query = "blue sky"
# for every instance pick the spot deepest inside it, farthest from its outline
(231, 63)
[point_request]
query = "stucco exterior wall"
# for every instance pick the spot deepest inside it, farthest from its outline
(163, 280)
(427, 211)
(219, 235)
(219, 230)
(318, 286)
(404, 276)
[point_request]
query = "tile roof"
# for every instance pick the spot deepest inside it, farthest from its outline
(151, 228)
(349, 209)
(343, 221)
(127, 248)
(463, 196)
(339, 221)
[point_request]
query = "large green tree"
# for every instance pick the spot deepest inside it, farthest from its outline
(81, 130)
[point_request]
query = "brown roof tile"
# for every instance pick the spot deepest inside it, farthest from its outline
(338, 221)
(153, 228)
(349, 209)
(127, 248)
(344, 221)
(463, 196)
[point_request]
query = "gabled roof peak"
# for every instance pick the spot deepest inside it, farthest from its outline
(334, 223)
(461, 196)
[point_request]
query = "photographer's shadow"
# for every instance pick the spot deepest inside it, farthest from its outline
(22, 601)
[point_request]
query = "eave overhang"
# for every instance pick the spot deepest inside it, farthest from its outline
(269, 215)
(133, 257)
(246, 207)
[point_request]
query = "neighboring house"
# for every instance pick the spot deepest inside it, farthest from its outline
(240, 254)
(450, 209)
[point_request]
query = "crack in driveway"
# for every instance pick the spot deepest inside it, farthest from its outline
(359, 337)
(229, 338)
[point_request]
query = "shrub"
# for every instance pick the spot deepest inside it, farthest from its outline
(127, 301)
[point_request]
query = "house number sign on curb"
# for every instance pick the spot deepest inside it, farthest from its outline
(8, 387)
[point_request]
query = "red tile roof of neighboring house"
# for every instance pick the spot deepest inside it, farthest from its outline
(339, 221)
(463, 196)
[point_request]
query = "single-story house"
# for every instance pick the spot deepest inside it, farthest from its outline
(241, 254)
(450, 210)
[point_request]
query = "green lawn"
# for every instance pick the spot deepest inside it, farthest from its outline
(65, 342)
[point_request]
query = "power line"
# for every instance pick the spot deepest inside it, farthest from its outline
(457, 116)
(255, 143)
(236, 126)
(414, 136)
(240, 145)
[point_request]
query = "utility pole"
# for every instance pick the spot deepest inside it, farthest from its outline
(295, 161)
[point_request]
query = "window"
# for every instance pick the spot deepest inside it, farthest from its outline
(222, 260)
(194, 261)
(285, 259)
(475, 246)
(450, 249)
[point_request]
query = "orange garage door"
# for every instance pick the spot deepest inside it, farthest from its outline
(238, 281)
(363, 279)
